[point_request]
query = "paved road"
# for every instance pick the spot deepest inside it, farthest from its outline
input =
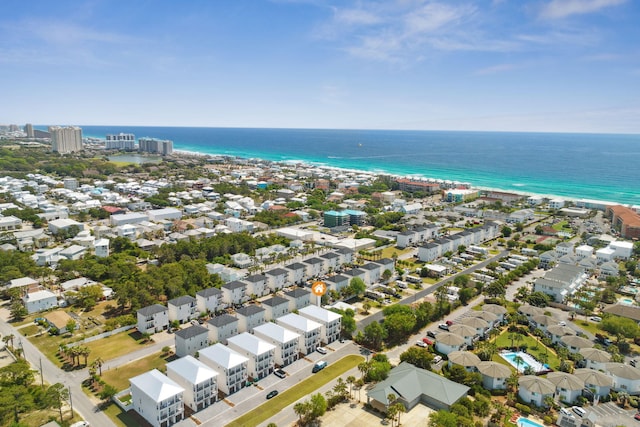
(52, 374)
(377, 317)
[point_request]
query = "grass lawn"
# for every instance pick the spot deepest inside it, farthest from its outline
(115, 346)
(119, 418)
(306, 388)
(588, 326)
(559, 226)
(119, 377)
(30, 330)
(106, 348)
(388, 252)
(534, 348)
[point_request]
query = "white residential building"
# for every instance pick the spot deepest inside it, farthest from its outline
(198, 380)
(275, 307)
(298, 298)
(249, 317)
(284, 340)
(234, 293)
(256, 285)
(230, 366)
(101, 247)
(277, 278)
(209, 300)
(38, 301)
(261, 354)
(157, 398)
(191, 340)
(308, 330)
(331, 322)
(152, 319)
(222, 327)
(182, 309)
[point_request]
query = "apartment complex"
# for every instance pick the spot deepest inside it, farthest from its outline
(155, 146)
(65, 139)
(120, 141)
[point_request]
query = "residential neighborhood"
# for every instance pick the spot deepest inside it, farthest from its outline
(181, 292)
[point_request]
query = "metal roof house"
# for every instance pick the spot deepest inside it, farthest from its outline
(413, 385)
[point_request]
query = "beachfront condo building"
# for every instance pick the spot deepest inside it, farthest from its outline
(65, 139)
(120, 141)
(155, 146)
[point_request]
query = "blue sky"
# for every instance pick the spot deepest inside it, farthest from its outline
(506, 65)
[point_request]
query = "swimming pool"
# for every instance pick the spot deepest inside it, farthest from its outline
(526, 422)
(626, 301)
(527, 361)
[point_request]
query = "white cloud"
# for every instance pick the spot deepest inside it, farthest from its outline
(557, 9)
(435, 16)
(496, 69)
(356, 17)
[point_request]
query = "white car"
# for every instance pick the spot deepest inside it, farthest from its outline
(437, 359)
(321, 350)
(421, 344)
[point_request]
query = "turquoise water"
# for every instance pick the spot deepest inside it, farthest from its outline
(591, 166)
(526, 422)
(535, 365)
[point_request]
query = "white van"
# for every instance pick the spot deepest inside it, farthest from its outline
(578, 410)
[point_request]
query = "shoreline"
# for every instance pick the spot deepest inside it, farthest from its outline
(181, 152)
(552, 187)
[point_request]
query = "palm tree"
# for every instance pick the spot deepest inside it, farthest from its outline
(350, 380)
(85, 352)
(519, 339)
(364, 369)
(512, 381)
(549, 402)
(300, 409)
(340, 388)
(543, 358)
(98, 363)
(399, 409)
(518, 361)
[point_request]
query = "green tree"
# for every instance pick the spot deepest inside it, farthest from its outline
(443, 418)
(418, 357)
(55, 396)
(357, 286)
(506, 231)
(374, 335)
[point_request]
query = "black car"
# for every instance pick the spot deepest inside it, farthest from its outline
(431, 334)
(272, 393)
(280, 373)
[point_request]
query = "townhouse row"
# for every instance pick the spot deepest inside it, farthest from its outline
(226, 366)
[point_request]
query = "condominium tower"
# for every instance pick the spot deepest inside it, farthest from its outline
(65, 139)
(156, 146)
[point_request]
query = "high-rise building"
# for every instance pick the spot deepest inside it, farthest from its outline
(28, 129)
(65, 139)
(156, 146)
(121, 141)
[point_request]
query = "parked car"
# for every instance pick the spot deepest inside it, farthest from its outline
(443, 326)
(421, 344)
(431, 334)
(272, 393)
(637, 416)
(563, 323)
(427, 341)
(578, 410)
(633, 362)
(595, 319)
(280, 373)
(321, 350)
(449, 322)
(437, 359)
(320, 365)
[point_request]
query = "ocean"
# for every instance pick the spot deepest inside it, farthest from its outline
(576, 166)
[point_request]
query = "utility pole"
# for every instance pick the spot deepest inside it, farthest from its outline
(41, 375)
(70, 401)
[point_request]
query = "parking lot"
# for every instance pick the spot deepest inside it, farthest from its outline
(611, 415)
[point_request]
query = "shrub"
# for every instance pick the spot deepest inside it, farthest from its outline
(547, 419)
(524, 409)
